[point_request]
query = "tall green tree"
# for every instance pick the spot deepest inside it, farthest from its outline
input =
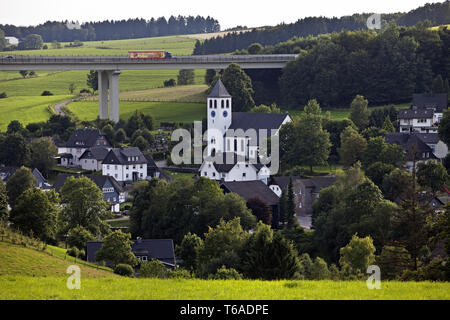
(3, 203)
(359, 253)
(359, 113)
(43, 152)
(18, 183)
(116, 249)
(188, 249)
(432, 175)
(36, 211)
(186, 76)
(292, 221)
(83, 205)
(92, 80)
(14, 150)
(239, 86)
(31, 42)
(438, 85)
(352, 146)
(387, 125)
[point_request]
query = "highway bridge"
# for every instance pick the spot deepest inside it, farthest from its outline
(109, 69)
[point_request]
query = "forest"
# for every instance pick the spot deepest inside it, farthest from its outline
(437, 13)
(116, 29)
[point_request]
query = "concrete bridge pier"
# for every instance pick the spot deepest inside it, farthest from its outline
(108, 82)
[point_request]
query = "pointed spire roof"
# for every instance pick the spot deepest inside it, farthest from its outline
(219, 91)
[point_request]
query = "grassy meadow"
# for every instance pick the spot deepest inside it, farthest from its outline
(177, 45)
(160, 111)
(120, 288)
(27, 109)
(27, 272)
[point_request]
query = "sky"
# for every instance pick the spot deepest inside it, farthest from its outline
(230, 13)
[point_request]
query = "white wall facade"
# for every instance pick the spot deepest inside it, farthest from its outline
(125, 172)
(91, 164)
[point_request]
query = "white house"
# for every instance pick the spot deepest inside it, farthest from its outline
(424, 114)
(92, 158)
(238, 135)
(125, 164)
(80, 141)
(11, 41)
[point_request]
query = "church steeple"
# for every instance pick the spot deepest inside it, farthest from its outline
(219, 91)
(219, 116)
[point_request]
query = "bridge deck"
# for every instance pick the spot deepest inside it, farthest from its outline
(124, 62)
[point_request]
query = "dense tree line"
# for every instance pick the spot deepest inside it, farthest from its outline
(385, 67)
(116, 29)
(437, 13)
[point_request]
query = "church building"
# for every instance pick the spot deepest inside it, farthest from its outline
(234, 138)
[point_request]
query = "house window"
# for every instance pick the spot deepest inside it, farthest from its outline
(134, 167)
(205, 173)
(141, 175)
(107, 167)
(115, 175)
(115, 167)
(144, 258)
(127, 167)
(127, 175)
(214, 174)
(141, 166)
(243, 175)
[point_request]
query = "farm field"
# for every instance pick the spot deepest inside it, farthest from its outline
(21, 287)
(340, 114)
(185, 93)
(177, 45)
(160, 111)
(27, 262)
(58, 82)
(27, 109)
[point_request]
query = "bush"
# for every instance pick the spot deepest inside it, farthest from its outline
(78, 237)
(3, 95)
(181, 274)
(73, 252)
(124, 270)
(170, 83)
(226, 274)
(46, 93)
(84, 91)
(153, 269)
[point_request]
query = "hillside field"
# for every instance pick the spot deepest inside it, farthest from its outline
(27, 109)
(21, 287)
(160, 111)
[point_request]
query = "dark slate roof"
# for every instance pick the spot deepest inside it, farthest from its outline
(121, 155)
(161, 249)
(97, 179)
(407, 141)
(428, 138)
(251, 189)
(219, 91)
(257, 121)
(415, 114)
(150, 161)
(58, 142)
(437, 101)
(98, 153)
(85, 138)
(283, 181)
(226, 166)
(322, 182)
(38, 175)
(7, 172)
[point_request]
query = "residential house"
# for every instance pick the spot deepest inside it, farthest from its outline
(80, 141)
(153, 171)
(232, 167)
(144, 250)
(113, 191)
(6, 172)
(41, 182)
(92, 159)
(424, 114)
(254, 189)
(415, 149)
(306, 191)
(125, 164)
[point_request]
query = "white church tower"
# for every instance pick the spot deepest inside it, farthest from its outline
(219, 117)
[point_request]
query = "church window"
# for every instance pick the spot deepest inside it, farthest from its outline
(228, 103)
(222, 104)
(215, 104)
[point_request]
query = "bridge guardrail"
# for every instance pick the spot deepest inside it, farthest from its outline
(127, 60)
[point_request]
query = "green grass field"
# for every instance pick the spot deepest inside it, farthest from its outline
(177, 45)
(160, 111)
(29, 273)
(17, 260)
(20, 287)
(27, 109)
(340, 114)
